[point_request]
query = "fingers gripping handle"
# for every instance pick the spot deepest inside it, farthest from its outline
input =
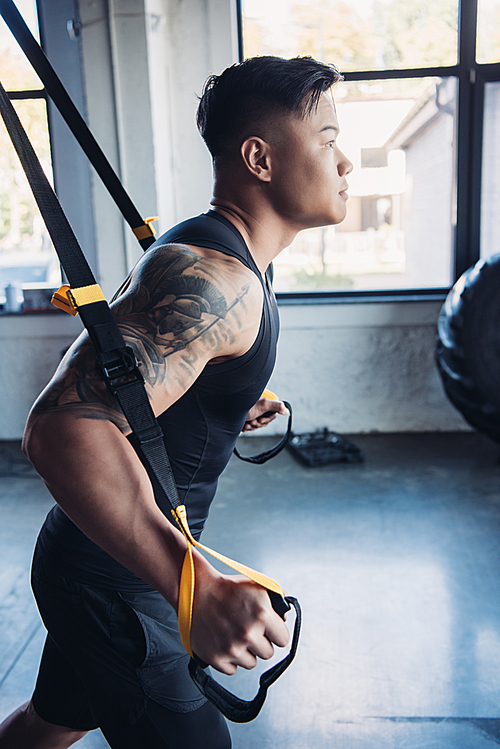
(187, 584)
(279, 604)
(232, 707)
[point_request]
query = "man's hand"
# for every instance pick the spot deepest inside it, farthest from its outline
(233, 621)
(264, 411)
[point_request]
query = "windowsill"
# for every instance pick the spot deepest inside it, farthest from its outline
(362, 297)
(25, 325)
(41, 313)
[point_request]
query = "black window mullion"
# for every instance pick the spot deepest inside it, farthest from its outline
(469, 135)
(37, 93)
(489, 71)
(471, 78)
(239, 23)
(379, 75)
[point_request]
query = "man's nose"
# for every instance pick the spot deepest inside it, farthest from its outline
(345, 166)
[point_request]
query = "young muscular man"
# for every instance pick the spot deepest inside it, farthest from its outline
(199, 312)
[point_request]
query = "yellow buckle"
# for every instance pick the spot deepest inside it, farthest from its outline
(69, 299)
(146, 230)
(63, 300)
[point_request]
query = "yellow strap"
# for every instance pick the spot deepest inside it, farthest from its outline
(269, 395)
(186, 591)
(145, 229)
(86, 295)
(186, 599)
(69, 299)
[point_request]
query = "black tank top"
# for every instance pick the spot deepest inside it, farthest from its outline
(200, 429)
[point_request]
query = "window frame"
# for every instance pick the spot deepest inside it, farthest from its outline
(471, 77)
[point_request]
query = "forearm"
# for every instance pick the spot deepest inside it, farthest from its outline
(96, 477)
(94, 474)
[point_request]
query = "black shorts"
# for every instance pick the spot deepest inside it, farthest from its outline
(108, 653)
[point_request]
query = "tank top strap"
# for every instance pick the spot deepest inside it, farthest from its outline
(214, 231)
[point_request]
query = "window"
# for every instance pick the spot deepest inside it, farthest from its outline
(411, 115)
(490, 228)
(28, 264)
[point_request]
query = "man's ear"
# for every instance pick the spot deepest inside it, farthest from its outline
(256, 155)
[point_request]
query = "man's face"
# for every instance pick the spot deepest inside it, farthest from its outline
(309, 170)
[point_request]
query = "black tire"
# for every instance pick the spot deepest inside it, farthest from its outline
(468, 346)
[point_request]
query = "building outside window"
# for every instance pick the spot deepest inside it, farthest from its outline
(28, 263)
(404, 66)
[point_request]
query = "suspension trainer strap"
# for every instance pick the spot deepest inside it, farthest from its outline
(120, 371)
(142, 229)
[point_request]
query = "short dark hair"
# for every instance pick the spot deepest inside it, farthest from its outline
(249, 97)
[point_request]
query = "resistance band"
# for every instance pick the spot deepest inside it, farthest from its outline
(120, 371)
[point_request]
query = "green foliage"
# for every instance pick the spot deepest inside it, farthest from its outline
(320, 281)
(359, 36)
(416, 33)
(17, 205)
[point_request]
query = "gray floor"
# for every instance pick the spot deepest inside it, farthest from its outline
(396, 563)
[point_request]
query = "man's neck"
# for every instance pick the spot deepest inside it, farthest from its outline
(265, 234)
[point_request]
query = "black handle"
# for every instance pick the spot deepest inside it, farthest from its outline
(231, 706)
(279, 604)
(265, 456)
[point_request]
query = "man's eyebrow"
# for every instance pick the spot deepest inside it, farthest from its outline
(335, 128)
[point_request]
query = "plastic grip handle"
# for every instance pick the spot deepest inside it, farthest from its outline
(232, 707)
(279, 604)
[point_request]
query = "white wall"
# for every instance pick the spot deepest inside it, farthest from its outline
(31, 348)
(361, 368)
(350, 367)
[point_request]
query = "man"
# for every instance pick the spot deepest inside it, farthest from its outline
(200, 315)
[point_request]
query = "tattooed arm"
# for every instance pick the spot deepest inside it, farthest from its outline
(181, 309)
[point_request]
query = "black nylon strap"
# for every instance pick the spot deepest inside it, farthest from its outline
(72, 117)
(116, 362)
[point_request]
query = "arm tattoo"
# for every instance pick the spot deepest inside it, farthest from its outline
(173, 299)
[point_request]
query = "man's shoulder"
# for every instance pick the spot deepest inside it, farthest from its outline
(166, 268)
(187, 285)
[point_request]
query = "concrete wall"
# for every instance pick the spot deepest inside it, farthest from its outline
(350, 367)
(31, 347)
(362, 368)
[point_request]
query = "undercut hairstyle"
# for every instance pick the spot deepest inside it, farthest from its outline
(251, 97)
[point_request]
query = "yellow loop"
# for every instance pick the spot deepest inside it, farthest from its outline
(269, 395)
(86, 295)
(69, 299)
(187, 584)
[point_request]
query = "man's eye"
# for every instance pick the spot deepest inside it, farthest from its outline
(331, 144)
